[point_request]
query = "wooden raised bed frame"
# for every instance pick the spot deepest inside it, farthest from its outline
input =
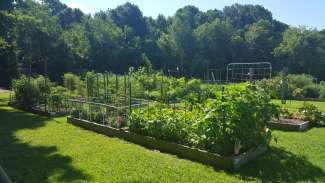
(232, 163)
(281, 124)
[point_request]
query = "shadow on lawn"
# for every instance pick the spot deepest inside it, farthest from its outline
(26, 163)
(283, 166)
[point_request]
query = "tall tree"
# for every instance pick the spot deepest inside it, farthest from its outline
(242, 16)
(129, 15)
(6, 4)
(260, 40)
(303, 51)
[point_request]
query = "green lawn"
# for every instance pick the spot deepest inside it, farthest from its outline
(40, 150)
(294, 105)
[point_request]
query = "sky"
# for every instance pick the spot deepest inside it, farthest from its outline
(310, 13)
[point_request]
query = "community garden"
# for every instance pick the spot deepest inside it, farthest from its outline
(228, 120)
(226, 126)
(195, 95)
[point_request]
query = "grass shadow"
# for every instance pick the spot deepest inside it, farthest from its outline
(283, 166)
(26, 163)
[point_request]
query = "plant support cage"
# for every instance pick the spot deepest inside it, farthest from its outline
(242, 72)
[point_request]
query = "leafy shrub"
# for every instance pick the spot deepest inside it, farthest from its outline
(322, 91)
(238, 116)
(300, 80)
(27, 92)
(311, 91)
(56, 98)
(298, 93)
(311, 113)
(297, 86)
(74, 84)
(271, 86)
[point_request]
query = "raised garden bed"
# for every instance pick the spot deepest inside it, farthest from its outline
(227, 163)
(290, 125)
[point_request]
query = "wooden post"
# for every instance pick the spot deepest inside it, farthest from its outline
(87, 86)
(107, 87)
(45, 82)
(116, 89)
(125, 86)
(104, 82)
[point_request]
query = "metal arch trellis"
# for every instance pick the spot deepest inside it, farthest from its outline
(241, 72)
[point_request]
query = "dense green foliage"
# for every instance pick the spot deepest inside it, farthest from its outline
(30, 92)
(141, 83)
(312, 114)
(294, 86)
(27, 92)
(68, 40)
(232, 123)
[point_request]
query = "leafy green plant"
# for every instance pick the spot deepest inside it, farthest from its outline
(322, 91)
(26, 92)
(165, 124)
(235, 121)
(56, 98)
(74, 84)
(239, 115)
(311, 113)
(311, 91)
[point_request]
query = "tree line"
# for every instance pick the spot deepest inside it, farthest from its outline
(49, 34)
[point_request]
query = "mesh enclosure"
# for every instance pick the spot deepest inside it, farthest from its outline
(241, 72)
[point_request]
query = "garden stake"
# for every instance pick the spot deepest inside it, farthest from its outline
(130, 93)
(97, 82)
(116, 88)
(125, 87)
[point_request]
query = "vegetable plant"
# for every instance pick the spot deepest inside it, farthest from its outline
(234, 121)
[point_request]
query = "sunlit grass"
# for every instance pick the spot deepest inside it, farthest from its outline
(294, 105)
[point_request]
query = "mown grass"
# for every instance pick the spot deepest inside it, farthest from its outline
(37, 149)
(294, 105)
